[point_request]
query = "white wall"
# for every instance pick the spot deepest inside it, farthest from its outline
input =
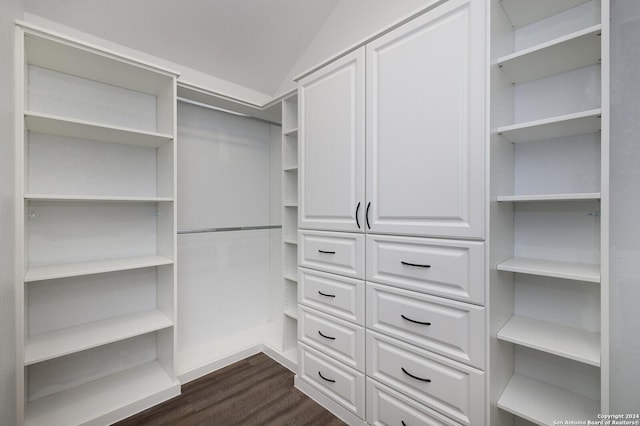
(9, 11)
(625, 205)
(350, 23)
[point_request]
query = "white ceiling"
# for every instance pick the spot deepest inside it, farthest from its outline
(253, 43)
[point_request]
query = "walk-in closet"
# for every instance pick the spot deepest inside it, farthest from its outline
(362, 212)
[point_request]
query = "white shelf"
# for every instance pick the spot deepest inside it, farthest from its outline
(64, 56)
(567, 342)
(105, 400)
(587, 196)
(52, 197)
(290, 277)
(290, 132)
(541, 403)
(563, 54)
(552, 268)
(75, 339)
(291, 313)
(555, 127)
(291, 168)
(524, 12)
(290, 242)
(51, 272)
(72, 128)
(290, 204)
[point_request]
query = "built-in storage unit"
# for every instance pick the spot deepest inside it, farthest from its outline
(549, 217)
(290, 226)
(409, 250)
(96, 224)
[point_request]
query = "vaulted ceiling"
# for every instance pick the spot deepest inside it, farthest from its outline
(253, 43)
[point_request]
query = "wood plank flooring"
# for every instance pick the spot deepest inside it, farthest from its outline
(254, 391)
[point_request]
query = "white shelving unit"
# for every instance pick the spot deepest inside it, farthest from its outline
(290, 224)
(96, 287)
(549, 210)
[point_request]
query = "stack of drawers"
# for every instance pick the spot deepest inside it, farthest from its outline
(413, 336)
(425, 348)
(331, 321)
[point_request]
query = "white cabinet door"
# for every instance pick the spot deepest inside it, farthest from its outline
(331, 149)
(426, 125)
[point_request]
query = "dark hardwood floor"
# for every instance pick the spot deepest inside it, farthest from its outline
(254, 391)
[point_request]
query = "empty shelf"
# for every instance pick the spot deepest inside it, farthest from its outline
(542, 403)
(290, 277)
(52, 197)
(291, 132)
(551, 128)
(86, 336)
(291, 168)
(72, 128)
(586, 196)
(563, 54)
(51, 272)
(105, 400)
(524, 12)
(291, 313)
(567, 342)
(552, 268)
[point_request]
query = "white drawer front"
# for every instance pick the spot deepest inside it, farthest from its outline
(340, 339)
(341, 383)
(338, 296)
(453, 329)
(336, 252)
(390, 408)
(454, 389)
(453, 269)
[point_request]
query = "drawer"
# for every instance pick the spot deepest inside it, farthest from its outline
(451, 388)
(339, 296)
(453, 269)
(453, 329)
(342, 340)
(339, 382)
(336, 252)
(390, 408)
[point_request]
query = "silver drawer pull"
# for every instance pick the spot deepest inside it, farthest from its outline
(415, 377)
(415, 264)
(414, 321)
(324, 378)
(326, 337)
(327, 252)
(326, 294)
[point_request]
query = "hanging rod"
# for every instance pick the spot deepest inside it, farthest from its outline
(228, 111)
(236, 228)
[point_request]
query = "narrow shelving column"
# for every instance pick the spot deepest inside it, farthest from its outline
(549, 210)
(290, 224)
(96, 237)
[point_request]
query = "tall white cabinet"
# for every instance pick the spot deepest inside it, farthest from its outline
(95, 284)
(549, 210)
(392, 327)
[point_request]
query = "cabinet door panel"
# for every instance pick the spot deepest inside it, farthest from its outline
(331, 150)
(426, 125)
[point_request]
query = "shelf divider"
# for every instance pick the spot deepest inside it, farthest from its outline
(567, 342)
(552, 268)
(541, 403)
(50, 272)
(561, 126)
(81, 129)
(63, 342)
